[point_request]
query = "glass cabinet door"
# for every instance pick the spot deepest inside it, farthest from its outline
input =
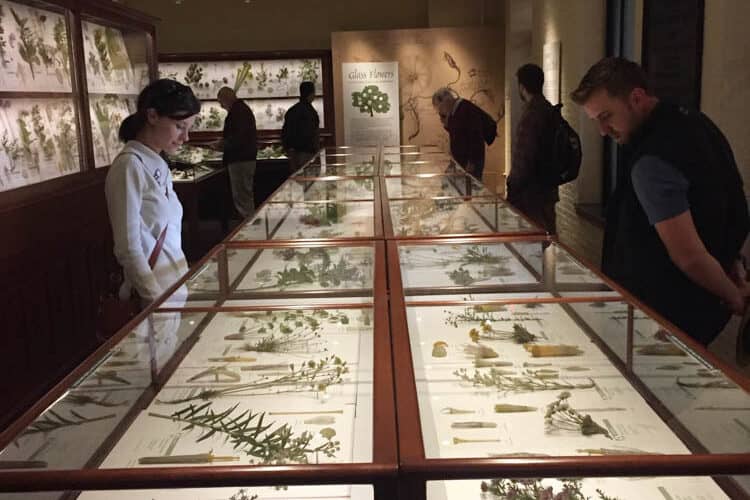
(39, 135)
(117, 69)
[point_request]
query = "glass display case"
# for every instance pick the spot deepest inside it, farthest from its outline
(191, 163)
(268, 384)
(284, 362)
(516, 360)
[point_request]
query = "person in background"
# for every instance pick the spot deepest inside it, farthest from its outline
(300, 134)
(469, 128)
(678, 218)
(240, 146)
(529, 189)
(143, 207)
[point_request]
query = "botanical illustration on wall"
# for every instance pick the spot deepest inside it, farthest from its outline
(34, 51)
(107, 113)
(250, 79)
(109, 68)
(38, 141)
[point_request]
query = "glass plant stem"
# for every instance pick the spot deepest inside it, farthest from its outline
(198, 458)
(455, 411)
(457, 440)
(233, 359)
(473, 425)
(311, 412)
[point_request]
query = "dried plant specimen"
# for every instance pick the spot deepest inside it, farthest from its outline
(439, 349)
(53, 421)
(561, 417)
(533, 489)
(511, 408)
(100, 43)
(308, 72)
(486, 331)
(3, 61)
(521, 383)
(309, 376)
(548, 350)
(27, 47)
(248, 432)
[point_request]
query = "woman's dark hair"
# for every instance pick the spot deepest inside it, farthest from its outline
(306, 89)
(531, 77)
(168, 98)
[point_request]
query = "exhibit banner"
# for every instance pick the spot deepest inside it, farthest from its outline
(371, 105)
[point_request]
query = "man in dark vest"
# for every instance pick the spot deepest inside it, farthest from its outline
(678, 218)
(529, 189)
(300, 134)
(469, 128)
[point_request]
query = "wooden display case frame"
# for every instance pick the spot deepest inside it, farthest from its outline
(381, 472)
(415, 469)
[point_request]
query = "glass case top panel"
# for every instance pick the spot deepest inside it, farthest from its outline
(296, 189)
(252, 79)
(473, 265)
(310, 220)
(420, 167)
(528, 379)
(452, 216)
(312, 492)
(116, 59)
(38, 141)
(247, 378)
(258, 272)
(600, 488)
(34, 49)
(435, 186)
(411, 148)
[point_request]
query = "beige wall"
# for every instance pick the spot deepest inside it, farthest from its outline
(725, 92)
(232, 25)
(579, 26)
(424, 67)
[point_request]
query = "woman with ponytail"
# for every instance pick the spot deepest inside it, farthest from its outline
(144, 211)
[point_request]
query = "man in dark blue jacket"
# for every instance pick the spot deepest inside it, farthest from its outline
(300, 134)
(678, 218)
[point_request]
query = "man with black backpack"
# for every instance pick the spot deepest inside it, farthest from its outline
(678, 217)
(546, 152)
(469, 128)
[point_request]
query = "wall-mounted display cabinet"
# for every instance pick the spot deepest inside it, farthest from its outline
(267, 82)
(70, 73)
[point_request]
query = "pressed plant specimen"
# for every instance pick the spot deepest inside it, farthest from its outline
(371, 100)
(60, 35)
(323, 214)
(248, 432)
(107, 120)
(486, 331)
(45, 141)
(193, 75)
(12, 151)
(494, 378)
(101, 48)
(52, 421)
(311, 375)
(214, 120)
(27, 47)
(3, 61)
(561, 418)
(299, 341)
(283, 74)
(30, 155)
(243, 494)
(439, 349)
(94, 64)
(244, 73)
(533, 489)
(473, 314)
(308, 72)
(261, 77)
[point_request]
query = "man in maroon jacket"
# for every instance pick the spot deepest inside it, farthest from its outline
(468, 127)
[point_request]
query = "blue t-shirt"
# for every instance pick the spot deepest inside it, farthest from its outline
(661, 189)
